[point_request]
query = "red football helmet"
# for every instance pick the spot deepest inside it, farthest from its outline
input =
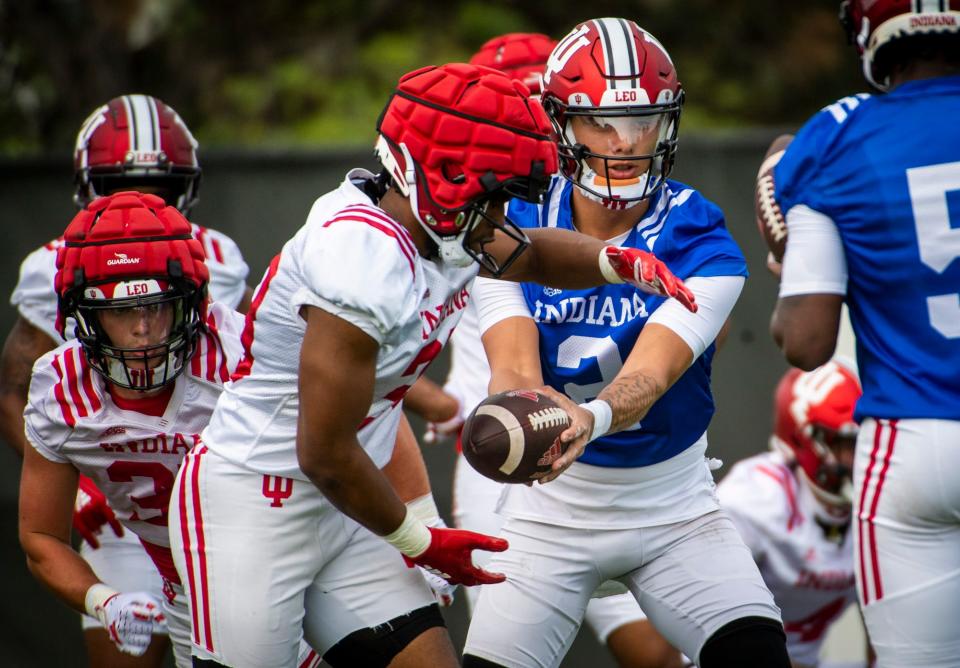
(457, 139)
(873, 24)
(615, 80)
(134, 142)
(519, 55)
(813, 426)
(131, 251)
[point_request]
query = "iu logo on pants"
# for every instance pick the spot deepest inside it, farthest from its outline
(277, 489)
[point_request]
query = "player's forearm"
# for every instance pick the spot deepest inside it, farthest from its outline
(428, 400)
(346, 475)
(502, 380)
(630, 397)
(58, 567)
(406, 469)
(561, 259)
(12, 404)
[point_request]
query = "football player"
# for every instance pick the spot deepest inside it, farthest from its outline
(869, 189)
(616, 620)
(285, 494)
(792, 505)
(133, 142)
(639, 506)
(122, 403)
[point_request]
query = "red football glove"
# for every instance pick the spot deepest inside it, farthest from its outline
(448, 556)
(91, 512)
(644, 271)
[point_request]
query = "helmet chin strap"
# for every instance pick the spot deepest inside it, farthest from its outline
(450, 249)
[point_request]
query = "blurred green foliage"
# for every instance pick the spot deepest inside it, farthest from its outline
(296, 74)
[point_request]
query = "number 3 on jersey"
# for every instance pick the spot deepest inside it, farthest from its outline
(938, 240)
(575, 349)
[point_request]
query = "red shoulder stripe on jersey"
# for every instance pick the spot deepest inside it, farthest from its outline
(60, 396)
(386, 229)
(246, 338)
(72, 382)
(379, 214)
(211, 358)
(222, 371)
(217, 252)
(87, 375)
(783, 476)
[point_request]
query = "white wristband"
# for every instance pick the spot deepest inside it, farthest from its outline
(602, 417)
(96, 597)
(607, 269)
(412, 536)
(424, 508)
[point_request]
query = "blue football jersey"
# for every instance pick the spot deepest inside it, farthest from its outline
(585, 335)
(886, 170)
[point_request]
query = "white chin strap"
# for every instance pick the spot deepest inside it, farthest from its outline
(625, 196)
(452, 251)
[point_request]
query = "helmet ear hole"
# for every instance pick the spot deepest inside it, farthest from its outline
(453, 173)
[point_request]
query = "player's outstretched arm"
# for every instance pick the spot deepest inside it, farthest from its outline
(513, 351)
(337, 376)
(24, 345)
(658, 359)
(566, 259)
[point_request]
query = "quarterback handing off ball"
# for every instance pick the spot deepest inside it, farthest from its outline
(514, 436)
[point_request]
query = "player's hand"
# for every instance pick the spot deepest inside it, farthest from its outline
(91, 512)
(130, 619)
(646, 273)
(449, 556)
(774, 267)
(577, 435)
(440, 432)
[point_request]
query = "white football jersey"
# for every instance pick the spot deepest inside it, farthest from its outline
(36, 301)
(469, 370)
(810, 576)
(354, 261)
(71, 417)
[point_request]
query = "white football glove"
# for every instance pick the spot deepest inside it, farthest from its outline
(129, 618)
(439, 432)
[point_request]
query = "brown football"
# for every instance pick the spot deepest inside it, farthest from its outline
(514, 436)
(770, 219)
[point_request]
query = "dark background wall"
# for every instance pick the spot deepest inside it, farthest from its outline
(260, 199)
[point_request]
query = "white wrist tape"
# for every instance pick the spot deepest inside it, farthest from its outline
(607, 269)
(424, 508)
(602, 417)
(412, 536)
(95, 599)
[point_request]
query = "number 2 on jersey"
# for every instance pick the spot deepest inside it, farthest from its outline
(938, 240)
